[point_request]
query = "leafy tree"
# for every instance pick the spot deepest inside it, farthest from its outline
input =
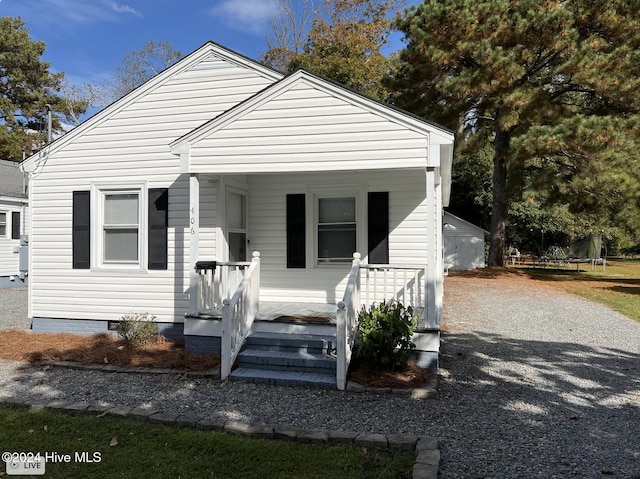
(26, 88)
(137, 66)
(554, 84)
(345, 43)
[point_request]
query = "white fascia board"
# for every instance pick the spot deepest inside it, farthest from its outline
(181, 65)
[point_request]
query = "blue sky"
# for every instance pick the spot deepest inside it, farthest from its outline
(86, 39)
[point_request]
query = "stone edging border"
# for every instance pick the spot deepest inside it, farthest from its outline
(427, 448)
(426, 392)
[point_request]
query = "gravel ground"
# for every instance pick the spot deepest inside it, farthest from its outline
(535, 384)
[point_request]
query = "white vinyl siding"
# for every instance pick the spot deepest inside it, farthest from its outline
(128, 142)
(306, 129)
(267, 216)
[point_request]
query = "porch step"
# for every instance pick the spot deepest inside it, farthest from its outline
(283, 360)
(310, 343)
(287, 359)
(284, 378)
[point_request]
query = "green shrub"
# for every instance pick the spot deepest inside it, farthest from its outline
(384, 334)
(137, 328)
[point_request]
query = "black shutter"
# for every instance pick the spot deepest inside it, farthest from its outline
(296, 235)
(158, 223)
(15, 225)
(378, 227)
(81, 236)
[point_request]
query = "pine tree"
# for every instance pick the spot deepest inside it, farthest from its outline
(26, 87)
(555, 84)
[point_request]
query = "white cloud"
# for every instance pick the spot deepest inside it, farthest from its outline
(248, 15)
(65, 12)
(120, 8)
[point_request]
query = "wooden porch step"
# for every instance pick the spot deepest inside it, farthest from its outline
(284, 378)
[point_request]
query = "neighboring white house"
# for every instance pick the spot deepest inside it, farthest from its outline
(13, 218)
(218, 157)
(463, 244)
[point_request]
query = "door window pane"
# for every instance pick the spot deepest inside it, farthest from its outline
(236, 211)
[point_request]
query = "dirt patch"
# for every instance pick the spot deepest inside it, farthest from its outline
(101, 349)
(408, 376)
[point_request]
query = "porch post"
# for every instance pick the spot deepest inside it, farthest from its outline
(432, 253)
(194, 241)
(439, 250)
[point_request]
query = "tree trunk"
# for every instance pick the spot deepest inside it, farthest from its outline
(499, 206)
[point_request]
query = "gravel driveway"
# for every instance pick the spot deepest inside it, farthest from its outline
(535, 384)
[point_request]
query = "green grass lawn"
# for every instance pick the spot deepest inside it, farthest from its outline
(147, 450)
(618, 287)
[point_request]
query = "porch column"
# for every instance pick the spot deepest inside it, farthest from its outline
(432, 253)
(194, 241)
(439, 250)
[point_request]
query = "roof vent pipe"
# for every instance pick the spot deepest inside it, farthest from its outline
(48, 107)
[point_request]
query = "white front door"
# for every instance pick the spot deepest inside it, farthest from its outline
(237, 225)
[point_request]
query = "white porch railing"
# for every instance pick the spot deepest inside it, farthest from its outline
(217, 280)
(403, 283)
(346, 319)
(368, 284)
(238, 313)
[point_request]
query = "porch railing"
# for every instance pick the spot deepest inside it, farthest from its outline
(346, 318)
(368, 284)
(385, 282)
(217, 280)
(238, 313)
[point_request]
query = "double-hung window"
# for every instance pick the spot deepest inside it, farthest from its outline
(336, 229)
(3, 224)
(121, 229)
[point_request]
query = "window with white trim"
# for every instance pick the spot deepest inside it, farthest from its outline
(120, 226)
(3, 224)
(336, 229)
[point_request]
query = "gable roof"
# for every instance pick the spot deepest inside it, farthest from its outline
(209, 48)
(440, 134)
(11, 179)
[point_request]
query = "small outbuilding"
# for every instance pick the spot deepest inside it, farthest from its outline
(463, 244)
(13, 212)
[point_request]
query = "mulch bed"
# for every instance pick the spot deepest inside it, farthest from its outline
(101, 349)
(407, 376)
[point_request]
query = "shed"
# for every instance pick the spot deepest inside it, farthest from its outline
(463, 244)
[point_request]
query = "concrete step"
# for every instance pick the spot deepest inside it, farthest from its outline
(284, 378)
(286, 360)
(309, 343)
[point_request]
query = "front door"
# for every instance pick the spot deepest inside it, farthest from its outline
(237, 225)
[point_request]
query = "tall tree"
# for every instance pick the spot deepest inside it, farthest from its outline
(26, 88)
(289, 31)
(554, 83)
(137, 66)
(345, 44)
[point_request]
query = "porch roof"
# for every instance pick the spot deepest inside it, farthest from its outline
(306, 123)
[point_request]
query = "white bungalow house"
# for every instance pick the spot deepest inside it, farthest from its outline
(238, 206)
(13, 214)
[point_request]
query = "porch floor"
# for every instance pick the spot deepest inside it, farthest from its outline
(271, 310)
